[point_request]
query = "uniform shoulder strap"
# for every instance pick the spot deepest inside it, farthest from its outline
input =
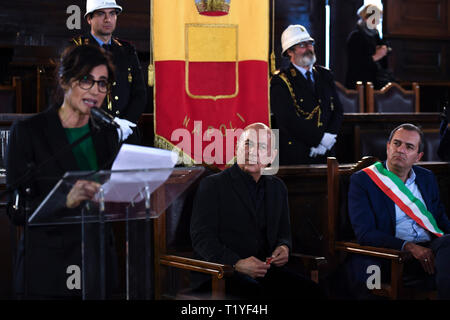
(78, 40)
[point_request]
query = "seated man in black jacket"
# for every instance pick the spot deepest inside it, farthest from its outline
(241, 218)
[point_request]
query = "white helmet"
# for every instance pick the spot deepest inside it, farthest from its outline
(294, 34)
(92, 5)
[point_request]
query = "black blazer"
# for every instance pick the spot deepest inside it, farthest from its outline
(360, 65)
(297, 134)
(51, 249)
(223, 224)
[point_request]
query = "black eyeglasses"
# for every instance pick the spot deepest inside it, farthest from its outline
(87, 82)
(305, 44)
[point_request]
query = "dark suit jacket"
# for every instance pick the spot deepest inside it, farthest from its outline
(372, 213)
(298, 135)
(223, 225)
(51, 249)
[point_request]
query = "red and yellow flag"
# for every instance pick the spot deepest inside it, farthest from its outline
(211, 72)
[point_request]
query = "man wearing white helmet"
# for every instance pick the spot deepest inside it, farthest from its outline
(128, 96)
(306, 108)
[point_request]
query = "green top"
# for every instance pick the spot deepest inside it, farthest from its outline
(84, 152)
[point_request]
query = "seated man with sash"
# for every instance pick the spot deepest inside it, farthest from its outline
(396, 205)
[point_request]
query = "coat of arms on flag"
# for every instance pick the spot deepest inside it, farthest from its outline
(211, 74)
(211, 61)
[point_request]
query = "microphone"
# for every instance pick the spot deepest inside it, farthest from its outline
(103, 117)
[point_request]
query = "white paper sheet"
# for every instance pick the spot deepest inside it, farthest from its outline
(128, 186)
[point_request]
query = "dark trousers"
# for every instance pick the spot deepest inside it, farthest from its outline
(278, 283)
(441, 278)
(413, 273)
(441, 249)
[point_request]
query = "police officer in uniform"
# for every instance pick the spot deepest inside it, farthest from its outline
(128, 96)
(304, 102)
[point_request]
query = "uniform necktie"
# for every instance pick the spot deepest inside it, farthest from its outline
(309, 81)
(107, 47)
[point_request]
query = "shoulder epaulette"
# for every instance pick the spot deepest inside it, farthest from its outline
(274, 74)
(80, 40)
(116, 41)
(325, 72)
(321, 67)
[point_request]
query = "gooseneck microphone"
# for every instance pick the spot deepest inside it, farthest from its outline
(103, 117)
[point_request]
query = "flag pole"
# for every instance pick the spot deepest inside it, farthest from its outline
(151, 65)
(273, 66)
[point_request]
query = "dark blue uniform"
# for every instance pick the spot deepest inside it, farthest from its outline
(303, 115)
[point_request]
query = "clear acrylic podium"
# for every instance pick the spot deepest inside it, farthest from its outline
(127, 201)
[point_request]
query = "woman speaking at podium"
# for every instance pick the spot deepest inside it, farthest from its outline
(40, 153)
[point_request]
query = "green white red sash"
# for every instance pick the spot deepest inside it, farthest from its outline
(396, 190)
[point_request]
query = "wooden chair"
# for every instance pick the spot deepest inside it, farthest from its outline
(174, 254)
(11, 97)
(352, 100)
(341, 238)
(392, 98)
(173, 249)
(371, 141)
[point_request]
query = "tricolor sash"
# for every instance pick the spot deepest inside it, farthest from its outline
(396, 190)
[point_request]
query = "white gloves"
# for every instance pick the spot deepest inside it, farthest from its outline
(319, 150)
(125, 128)
(328, 141)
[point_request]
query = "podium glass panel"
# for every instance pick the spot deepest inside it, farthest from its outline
(116, 226)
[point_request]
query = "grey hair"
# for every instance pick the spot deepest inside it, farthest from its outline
(410, 127)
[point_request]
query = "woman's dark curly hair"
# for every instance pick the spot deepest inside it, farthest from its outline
(76, 62)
